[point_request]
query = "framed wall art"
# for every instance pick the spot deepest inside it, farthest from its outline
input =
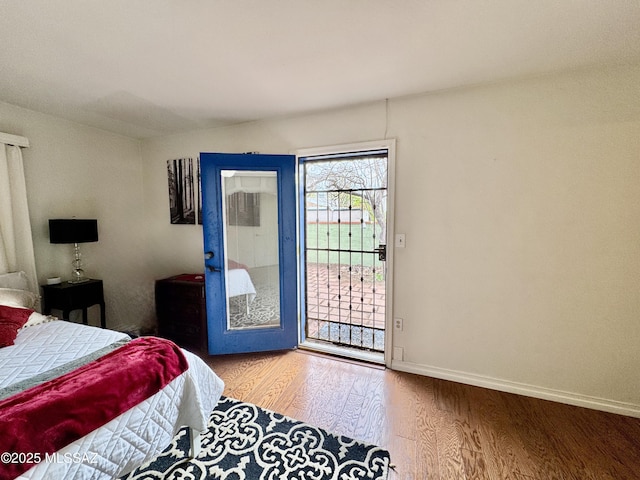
(182, 190)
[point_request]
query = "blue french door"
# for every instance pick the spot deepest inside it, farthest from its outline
(249, 226)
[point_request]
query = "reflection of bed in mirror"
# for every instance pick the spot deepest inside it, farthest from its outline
(254, 295)
(247, 309)
(239, 283)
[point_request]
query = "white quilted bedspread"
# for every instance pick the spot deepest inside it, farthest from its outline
(50, 345)
(134, 437)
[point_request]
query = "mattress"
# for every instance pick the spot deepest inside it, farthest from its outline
(134, 437)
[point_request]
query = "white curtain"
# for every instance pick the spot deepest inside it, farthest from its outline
(16, 242)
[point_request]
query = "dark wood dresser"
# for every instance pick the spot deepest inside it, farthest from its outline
(181, 310)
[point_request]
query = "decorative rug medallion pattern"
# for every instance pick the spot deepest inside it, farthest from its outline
(246, 442)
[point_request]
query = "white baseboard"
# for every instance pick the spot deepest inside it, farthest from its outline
(568, 398)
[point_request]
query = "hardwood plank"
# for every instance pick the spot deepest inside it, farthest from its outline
(401, 405)
(536, 440)
(504, 454)
(342, 385)
(474, 465)
(347, 420)
(297, 388)
(245, 374)
(448, 431)
(427, 461)
(268, 392)
(519, 476)
(312, 393)
(371, 423)
(409, 421)
(403, 455)
(465, 422)
(450, 462)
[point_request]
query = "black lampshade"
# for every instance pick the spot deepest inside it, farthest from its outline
(73, 231)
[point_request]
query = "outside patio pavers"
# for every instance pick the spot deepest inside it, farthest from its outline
(351, 298)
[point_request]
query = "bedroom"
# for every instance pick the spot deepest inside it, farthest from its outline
(518, 197)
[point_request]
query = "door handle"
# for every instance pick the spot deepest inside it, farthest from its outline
(382, 253)
(208, 256)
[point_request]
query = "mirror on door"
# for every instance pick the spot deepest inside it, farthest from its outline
(251, 248)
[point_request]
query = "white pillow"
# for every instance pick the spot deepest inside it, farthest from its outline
(17, 280)
(37, 318)
(18, 298)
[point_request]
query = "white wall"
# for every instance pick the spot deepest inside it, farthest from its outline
(521, 206)
(72, 170)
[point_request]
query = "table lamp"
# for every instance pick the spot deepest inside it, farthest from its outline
(74, 231)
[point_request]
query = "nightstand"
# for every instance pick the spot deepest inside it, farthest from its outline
(67, 296)
(181, 310)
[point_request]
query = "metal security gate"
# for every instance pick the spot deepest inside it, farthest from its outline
(345, 228)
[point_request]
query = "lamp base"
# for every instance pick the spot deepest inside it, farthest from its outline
(77, 275)
(79, 281)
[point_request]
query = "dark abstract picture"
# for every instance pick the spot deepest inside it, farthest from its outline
(182, 205)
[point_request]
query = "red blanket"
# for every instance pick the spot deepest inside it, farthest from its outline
(45, 418)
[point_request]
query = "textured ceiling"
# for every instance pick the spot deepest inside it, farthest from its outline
(154, 67)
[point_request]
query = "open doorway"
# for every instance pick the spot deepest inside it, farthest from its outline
(345, 264)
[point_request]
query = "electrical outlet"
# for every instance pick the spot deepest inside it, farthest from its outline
(398, 323)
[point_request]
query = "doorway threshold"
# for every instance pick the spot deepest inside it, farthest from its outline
(339, 351)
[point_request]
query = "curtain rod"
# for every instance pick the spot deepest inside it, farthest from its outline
(16, 140)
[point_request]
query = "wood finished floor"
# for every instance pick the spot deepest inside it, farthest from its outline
(435, 429)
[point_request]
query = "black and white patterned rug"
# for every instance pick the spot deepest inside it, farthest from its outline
(246, 442)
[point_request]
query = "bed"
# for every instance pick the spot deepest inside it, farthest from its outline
(45, 352)
(239, 283)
